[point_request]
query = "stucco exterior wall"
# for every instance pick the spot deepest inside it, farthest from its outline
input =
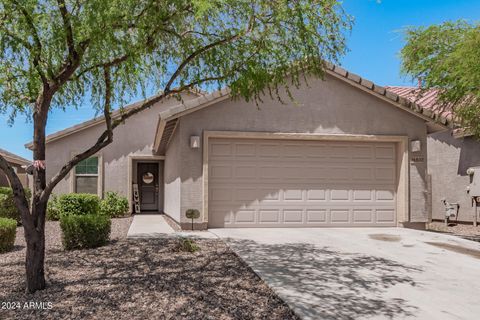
(172, 195)
(448, 160)
(134, 138)
(327, 107)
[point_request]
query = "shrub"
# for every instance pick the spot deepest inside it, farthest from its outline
(53, 208)
(85, 231)
(114, 205)
(78, 204)
(186, 245)
(7, 204)
(8, 230)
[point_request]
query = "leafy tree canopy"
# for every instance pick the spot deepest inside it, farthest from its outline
(55, 52)
(447, 58)
(161, 44)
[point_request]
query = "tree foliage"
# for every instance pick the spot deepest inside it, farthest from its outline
(246, 44)
(53, 53)
(446, 58)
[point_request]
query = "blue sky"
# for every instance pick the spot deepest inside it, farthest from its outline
(374, 44)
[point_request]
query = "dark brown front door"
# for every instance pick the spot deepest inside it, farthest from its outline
(148, 186)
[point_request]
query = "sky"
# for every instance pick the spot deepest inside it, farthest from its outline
(374, 45)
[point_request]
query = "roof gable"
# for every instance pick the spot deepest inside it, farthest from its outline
(435, 121)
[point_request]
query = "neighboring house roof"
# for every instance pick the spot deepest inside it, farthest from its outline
(13, 158)
(428, 99)
(168, 117)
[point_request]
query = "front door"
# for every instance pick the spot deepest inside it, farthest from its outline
(148, 186)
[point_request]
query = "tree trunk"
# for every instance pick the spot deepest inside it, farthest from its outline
(35, 227)
(35, 257)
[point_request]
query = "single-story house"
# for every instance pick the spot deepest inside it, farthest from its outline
(19, 164)
(345, 153)
(450, 154)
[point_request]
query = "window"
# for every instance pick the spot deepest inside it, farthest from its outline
(86, 176)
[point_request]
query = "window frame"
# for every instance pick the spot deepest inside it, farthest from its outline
(99, 175)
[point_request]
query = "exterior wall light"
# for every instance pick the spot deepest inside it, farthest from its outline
(194, 142)
(415, 146)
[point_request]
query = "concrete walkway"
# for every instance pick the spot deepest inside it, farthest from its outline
(149, 226)
(364, 273)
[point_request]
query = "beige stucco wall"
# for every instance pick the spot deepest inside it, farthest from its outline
(327, 107)
(172, 186)
(448, 160)
(134, 138)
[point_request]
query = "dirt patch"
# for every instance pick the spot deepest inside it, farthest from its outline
(139, 279)
(455, 248)
(385, 237)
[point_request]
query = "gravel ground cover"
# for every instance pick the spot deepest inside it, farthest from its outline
(138, 279)
(467, 231)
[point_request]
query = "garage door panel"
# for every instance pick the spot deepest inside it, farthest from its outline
(275, 183)
(314, 216)
(316, 195)
(339, 216)
(221, 149)
(363, 216)
(339, 195)
(385, 216)
(245, 150)
(269, 216)
(385, 195)
(221, 194)
(246, 216)
(293, 195)
(293, 216)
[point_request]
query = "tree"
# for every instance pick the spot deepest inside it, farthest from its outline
(446, 58)
(55, 52)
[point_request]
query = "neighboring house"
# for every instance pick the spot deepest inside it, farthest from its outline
(337, 156)
(450, 154)
(19, 164)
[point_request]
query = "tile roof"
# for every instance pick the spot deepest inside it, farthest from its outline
(11, 157)
(391, 96)
(427, 99)
(397, 98)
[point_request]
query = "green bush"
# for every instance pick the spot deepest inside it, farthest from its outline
(8, 230)
(114, 205)
(53, 208)
(78, 204)
(7, 204)
(186, 245)
(84, 231)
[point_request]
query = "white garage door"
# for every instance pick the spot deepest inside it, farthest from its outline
(288, 183)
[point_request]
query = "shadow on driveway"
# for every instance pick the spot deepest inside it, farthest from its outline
(319, 283)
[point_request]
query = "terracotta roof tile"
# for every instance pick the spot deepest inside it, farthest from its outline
(427, 100)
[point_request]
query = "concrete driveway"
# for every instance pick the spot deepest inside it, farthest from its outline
(365, 273)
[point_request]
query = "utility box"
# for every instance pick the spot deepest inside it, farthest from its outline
(474, 187)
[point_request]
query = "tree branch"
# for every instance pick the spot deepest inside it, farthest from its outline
(114, 62)
(107, 136)
(105, 139)
(37, 51)
(19, 198)
(67, 26)
(198, 52)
